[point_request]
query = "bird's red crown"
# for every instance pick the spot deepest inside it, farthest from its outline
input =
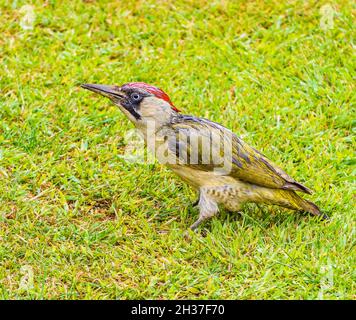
(159, 93)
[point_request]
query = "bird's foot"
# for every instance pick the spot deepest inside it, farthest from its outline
(195, 225)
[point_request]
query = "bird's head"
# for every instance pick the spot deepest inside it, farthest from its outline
(139, 101)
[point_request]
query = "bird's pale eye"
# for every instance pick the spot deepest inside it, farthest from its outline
(135, 96)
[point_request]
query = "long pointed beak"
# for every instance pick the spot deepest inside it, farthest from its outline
(107, 91)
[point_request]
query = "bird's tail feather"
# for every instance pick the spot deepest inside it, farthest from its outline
(302, 204)
(312, 208)
(291, 200)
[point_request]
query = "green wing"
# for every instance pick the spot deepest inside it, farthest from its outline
(247, 164)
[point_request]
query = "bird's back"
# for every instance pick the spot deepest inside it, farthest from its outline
(245, 163)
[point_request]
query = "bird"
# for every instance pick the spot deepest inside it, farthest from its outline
(223, 169)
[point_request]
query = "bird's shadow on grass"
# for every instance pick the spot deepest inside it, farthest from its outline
(252, 215)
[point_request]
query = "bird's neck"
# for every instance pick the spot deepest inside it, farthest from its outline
(152, 125)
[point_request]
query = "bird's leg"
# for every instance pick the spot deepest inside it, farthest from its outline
(207, 209)
(195, 225)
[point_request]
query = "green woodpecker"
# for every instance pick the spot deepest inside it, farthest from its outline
(222, 167)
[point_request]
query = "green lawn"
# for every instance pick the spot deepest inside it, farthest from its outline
(78, 221)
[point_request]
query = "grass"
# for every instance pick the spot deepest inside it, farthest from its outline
(79, 222)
